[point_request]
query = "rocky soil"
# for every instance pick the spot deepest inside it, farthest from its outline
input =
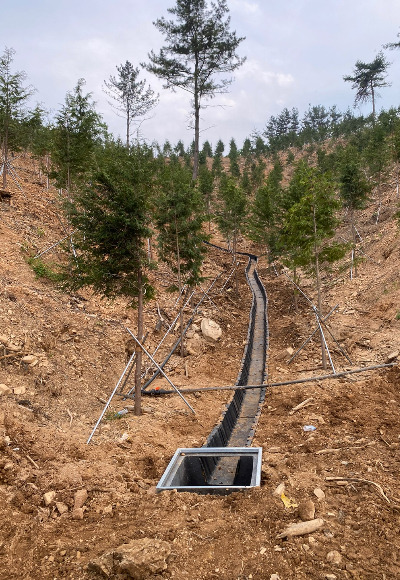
(78, 511)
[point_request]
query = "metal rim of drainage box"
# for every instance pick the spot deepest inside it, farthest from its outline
(194, 469)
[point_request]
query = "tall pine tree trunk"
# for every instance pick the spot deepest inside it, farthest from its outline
(196, 128)
(128, 128)
(138, 369)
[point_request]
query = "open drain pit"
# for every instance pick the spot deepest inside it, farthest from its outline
(213, 470)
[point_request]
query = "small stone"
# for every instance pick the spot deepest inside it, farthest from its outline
(30, 360)
(4, 390)
(334, 557)
(263, 550)
(62, 508)
(330, 577)
(108, 510)
(306, 510)
(19, 390)
(319, 493)
(63, 553)
(289, 351)
(274, 577)
(49, 498)
(13, 347)
(79, 498)
(392, 356)
(77, 514)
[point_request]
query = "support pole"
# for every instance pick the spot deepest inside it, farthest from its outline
(280, 384)
(53, 245)
(111, 396)
(160, 370)
(324, 339)
(310, 337)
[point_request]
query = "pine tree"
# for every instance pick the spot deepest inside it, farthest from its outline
(111, 215)
(179, 149)
(234, 159)
(217, 161)
(179, 220)
(13, 96)
(198, 48)
(130, 97)
(367, 77)
(265, 206)
(377, 156)
(353, 188)
(231, 211)
(207, 149)
(206, 188)
(77, 132)
(308, 226)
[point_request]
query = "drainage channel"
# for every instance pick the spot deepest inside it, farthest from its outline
(227, 462)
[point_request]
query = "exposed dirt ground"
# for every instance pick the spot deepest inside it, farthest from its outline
(77, 346)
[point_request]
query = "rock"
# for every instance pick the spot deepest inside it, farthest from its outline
(62, 508)
(302, 528)
(77, 514)
(194, 345)
(334, 557)
(319, 493)
(4, 390)
(330, 577)
(49, 498)
(289, 351)
(19, 390)
(142, 558)
(102, 566)
(30, 360)
(108, 510)
(306, 510)
(392, 356)
(275, 577)
(3, 339)
(210, 329)
(79, 498)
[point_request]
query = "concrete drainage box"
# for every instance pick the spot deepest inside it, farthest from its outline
(217, 470)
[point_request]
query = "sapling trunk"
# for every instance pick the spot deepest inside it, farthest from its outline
(318, 282)
(180, 289)
(354, 239)
(138, 369)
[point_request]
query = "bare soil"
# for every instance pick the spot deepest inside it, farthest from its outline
(78, 347)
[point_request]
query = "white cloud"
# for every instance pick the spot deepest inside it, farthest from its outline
(246, 7)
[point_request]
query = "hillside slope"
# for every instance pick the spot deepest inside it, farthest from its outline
(77, 348)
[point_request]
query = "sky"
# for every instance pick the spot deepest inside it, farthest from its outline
(297, 54)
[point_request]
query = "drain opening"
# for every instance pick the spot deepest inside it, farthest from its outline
(213, 470)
